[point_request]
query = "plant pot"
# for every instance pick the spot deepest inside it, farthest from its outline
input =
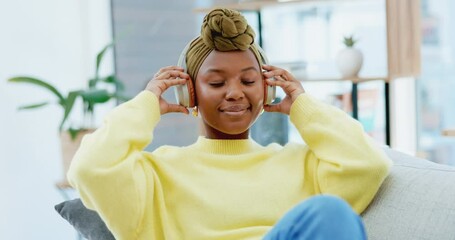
(349, 62)
(69, 147)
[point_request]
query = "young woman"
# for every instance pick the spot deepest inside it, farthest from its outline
(225, 185)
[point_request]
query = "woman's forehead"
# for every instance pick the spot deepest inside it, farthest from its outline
(231, 60)
(217, 58)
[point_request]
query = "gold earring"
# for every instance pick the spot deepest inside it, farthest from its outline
(195, 111)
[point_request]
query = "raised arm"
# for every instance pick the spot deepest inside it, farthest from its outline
(110, 170)
(343, 160)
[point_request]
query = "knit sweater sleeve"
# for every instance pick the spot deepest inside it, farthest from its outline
(342, 159)
(109, 169)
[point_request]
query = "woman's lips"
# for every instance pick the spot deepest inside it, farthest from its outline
(235, 110)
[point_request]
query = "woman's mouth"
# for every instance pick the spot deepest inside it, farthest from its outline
(235, 110)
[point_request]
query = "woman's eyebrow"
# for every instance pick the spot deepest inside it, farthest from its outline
(248, 68)
(215, 70)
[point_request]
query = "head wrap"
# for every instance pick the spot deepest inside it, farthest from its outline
(222, 30)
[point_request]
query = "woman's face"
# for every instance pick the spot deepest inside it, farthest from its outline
(230, 93)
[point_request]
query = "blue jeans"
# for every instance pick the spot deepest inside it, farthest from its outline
(317, 218)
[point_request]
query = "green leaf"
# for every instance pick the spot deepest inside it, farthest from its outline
(39, 83)
(114, 80)
(95, 96)
(100, 56)
(349, 41)
(33, 106)
(109, 79)
(92, 83)
(74, 132)
(69, 105)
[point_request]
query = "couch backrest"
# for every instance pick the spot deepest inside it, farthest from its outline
(416, 201)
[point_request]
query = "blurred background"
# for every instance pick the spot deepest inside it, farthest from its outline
(58, 41)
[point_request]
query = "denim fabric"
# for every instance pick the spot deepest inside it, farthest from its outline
(320, 217)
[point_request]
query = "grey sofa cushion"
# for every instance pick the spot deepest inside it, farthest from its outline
(416, 201)
(86, 222)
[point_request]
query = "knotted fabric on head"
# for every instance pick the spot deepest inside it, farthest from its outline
(222, 30)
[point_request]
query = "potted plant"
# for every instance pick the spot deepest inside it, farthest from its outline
(99, 90)
(350, 59)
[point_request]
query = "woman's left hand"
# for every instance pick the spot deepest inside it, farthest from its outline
(288, 83)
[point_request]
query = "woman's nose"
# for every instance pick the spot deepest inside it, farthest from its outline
(234, 92)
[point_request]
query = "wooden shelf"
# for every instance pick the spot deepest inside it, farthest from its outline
(448, 132)
(255, 5)
(353, 80)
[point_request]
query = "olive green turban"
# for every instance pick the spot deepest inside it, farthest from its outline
(222, 30)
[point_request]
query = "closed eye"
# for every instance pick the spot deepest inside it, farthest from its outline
(216, 84)
(248, 82)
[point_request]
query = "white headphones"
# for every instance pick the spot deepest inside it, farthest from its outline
(185, 94)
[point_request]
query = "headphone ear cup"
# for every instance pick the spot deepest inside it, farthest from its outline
(269, 93)
(191, 94)
(265, 91)
(185, 94)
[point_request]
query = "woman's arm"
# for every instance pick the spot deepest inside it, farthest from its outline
(109, 169)
(343, 159)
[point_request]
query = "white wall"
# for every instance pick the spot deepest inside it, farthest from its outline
(403, 115)
(57, 41)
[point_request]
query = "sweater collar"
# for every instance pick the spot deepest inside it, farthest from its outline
(228, 147)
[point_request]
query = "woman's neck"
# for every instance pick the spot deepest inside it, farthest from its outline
(212, 133)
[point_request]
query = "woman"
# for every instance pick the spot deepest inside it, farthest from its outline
(226, 186)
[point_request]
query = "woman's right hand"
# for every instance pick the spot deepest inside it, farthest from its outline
(165, 78)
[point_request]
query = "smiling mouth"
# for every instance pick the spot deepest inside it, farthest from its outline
(235, 110)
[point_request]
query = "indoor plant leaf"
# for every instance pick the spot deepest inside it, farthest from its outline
(100, 56)
(95, 95)
(33, 106)
(112, 79)
(74, 132)
(69, 105)
(40, 83)
(92, 83)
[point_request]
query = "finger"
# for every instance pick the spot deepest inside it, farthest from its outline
(269, 67)
(167, 83)
(158, 87)
(172, 74)
(273, 71)
(178, 108)
(280, 78)
(168, 68)
(272, 108)
(278, 82)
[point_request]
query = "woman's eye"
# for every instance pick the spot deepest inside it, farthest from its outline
(248, 82)
(216, 84)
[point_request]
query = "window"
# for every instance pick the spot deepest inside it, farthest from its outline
(436, 86)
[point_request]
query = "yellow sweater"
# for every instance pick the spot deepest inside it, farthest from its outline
(220, 189)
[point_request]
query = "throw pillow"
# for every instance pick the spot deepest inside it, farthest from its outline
(87, 222)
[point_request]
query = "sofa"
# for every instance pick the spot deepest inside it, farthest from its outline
(416, 201)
